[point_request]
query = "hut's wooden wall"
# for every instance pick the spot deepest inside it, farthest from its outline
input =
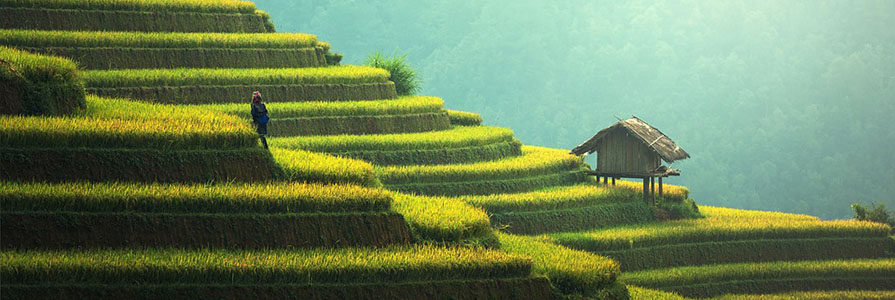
(621, 152)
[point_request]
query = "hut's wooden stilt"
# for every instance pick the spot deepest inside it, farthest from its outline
(605, 180)
(646, 190)
(652, 189)
(613, 181)
(660, 187)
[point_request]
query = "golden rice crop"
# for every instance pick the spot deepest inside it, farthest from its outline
(117, 123)
(464, 118)
(344, 74)
(206, 6)
(570, 271)
(879, 268)
(815, 295)
(281, 266)
(131, 39)
(668, 190)
(274, 197)
(552, 198)
(463, 136)
(37, 67)
(719, 225)
(534, 161)
(442, 219)
(640, 293)
(282, 110)
(304, 166)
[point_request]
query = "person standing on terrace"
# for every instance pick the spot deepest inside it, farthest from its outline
(259, 116)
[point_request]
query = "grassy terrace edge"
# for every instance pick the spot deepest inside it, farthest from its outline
(119, 20)
(222, 6)
(201, 266)
(241, 198)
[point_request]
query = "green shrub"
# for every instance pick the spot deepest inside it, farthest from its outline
(39, 85)
(404, 76)
(877, 214)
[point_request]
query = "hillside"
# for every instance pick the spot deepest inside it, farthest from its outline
(129, 169)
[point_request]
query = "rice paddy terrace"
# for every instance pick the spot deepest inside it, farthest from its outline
(153, 183)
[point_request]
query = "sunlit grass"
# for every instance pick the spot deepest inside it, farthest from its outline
(274, 197)
(344, 74)
(85, 39)
(464, 136)
(207, 6)
(281, 110)
(281, 266)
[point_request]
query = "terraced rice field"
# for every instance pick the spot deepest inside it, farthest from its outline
(752, 278)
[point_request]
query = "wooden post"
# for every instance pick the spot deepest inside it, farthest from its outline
(660, 187)
(605, 180)
(652, 189)
(613, 181)
(646, 190)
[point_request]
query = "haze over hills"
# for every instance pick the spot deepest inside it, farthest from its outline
(783, 105)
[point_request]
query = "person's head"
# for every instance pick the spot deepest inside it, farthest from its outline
(256, 97)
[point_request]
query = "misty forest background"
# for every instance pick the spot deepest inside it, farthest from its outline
(783, 105)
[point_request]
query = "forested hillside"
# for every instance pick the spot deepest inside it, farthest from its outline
(783, 105)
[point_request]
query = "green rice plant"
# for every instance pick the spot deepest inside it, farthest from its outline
(640, 293)
(218, 77)
(38, 84)
(534, 161)
(552, 198)
(268, 267)
(815, 295)
(463, 118)
(265, 17)
(401, 73)
(669, 191)
(304, 166)
(106, 230)
(573, 219)
(118, 123)
(470, 154)
(283, 110)
(753, 250)
(273, 197)
(131, 39)
(204, 6)
(463, 136)
(354, 125)
(41, 18)
(699, 275)
(487, 187)
(721, 224)
(569, 271)
(286, 92)
(136, 165)
(170, 58)
(442, 220)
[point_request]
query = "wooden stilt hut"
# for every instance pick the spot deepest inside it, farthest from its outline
(633, 149)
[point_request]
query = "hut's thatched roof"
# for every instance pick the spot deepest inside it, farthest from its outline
(649, 135)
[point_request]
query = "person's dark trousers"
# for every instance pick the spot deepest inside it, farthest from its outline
(262, 131)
